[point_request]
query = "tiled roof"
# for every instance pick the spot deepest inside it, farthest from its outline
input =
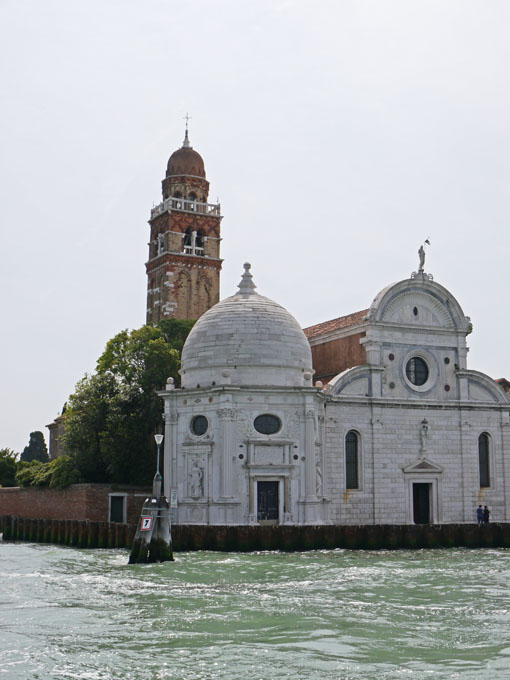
(335, 324)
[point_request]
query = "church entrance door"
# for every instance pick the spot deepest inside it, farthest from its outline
(421, 503)
(267, 502)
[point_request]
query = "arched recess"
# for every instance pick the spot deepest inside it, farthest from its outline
(205, 285)
(184, 295)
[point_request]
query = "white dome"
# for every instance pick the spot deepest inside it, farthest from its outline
(246, 339)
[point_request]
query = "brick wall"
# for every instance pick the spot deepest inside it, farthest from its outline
(78, 502)
(333, 357)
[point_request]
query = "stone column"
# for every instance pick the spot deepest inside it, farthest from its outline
(227, 417)
(170, 462)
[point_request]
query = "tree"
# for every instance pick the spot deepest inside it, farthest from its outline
(57, 473)
(36, 449)
(113, 414)
(175, 332)
(7, 467)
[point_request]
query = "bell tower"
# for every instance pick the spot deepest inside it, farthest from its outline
(183, 269)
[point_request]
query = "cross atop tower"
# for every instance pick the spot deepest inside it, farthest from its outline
(187, 118)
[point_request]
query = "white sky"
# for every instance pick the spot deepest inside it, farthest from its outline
(338, 135)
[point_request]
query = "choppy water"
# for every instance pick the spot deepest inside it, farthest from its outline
(68, 613)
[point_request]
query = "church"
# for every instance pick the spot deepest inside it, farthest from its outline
(371, 418)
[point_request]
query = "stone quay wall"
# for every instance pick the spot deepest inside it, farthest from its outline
(90, 534)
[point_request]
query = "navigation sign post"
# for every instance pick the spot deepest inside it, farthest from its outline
(146, 523)
(153, 541)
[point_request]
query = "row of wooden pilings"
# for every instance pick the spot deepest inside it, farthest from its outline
(88, 534)
(75, 533)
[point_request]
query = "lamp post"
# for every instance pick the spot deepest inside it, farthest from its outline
(156, 488)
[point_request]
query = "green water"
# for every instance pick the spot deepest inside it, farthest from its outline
(68, 613)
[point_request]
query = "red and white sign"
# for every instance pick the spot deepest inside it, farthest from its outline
(146, 524)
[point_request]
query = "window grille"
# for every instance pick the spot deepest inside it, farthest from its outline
(351, 460)
(483, 459)
(417, 371)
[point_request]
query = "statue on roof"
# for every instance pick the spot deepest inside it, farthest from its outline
(421, 255)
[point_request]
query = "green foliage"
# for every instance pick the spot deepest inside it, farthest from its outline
(7, 467)
(64, 472)
(85, 423)
(36, 449)
(113, 414)
(56, 474)
(175, 332)
(33, 473)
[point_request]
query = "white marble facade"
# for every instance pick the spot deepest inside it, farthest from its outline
(410, 436)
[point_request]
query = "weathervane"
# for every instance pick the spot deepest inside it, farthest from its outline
(421, 255)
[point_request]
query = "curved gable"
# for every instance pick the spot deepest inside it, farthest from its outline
(483, 388)
(354, 381)
(418, 302)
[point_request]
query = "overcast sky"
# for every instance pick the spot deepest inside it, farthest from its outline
(338, 135)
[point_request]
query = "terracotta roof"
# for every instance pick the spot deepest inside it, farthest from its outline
(504, 384)
(335, 324)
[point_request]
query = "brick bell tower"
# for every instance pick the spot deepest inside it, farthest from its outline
(183, 270)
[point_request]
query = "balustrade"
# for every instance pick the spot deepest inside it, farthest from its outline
(185, 205)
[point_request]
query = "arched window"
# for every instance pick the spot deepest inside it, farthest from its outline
(191, 204)
(483, 459)
(351, 460)
(187, 240)
(200, 242)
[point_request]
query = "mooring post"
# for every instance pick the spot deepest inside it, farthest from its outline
(153, 540)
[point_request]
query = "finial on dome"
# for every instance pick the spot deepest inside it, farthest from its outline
(186, 143)
(246, 285)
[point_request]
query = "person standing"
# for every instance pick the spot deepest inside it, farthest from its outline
(486, 514)
(479, 514)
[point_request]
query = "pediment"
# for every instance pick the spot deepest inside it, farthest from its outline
(423, 465)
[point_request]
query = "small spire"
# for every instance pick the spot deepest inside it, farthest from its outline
(246, 285)
(186, 143)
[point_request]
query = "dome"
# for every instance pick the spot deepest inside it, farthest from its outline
(186, 161)
(247, 339)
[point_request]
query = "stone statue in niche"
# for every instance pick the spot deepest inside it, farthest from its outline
(424, 433)
(196, 480)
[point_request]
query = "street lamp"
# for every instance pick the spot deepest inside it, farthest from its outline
(159, 440)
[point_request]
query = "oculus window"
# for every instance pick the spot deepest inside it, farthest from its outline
(199, 425)
(417, 371)
(267, 424)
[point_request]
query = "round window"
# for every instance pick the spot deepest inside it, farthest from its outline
(199, 425)
(267, 424)
(417, 371)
